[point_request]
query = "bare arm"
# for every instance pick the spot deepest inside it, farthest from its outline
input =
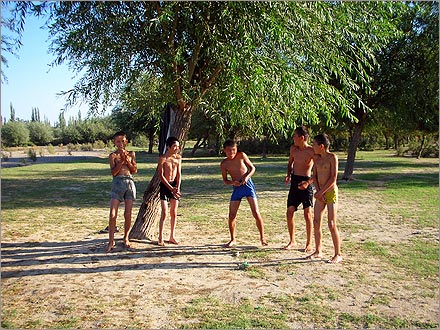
(250, 168)
(315, 177)
(179, 173)
(331, 182)
(303, 185)
(115, 166)
(289, 167)
(161, 171)
(126, 159)
(131, 162)
(224, 171)
(332, 178)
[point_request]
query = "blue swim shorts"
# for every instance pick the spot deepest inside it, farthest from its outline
(246, 190)
(123, 188)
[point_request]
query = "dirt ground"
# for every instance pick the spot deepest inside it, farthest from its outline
(66, 276)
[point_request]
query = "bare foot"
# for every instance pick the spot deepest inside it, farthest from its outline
(173, 241)
(160, 243)
(335, 259)
(127, 244)
(264, 242)
(290, 245)
(315, 255)
(110, 247)
(231, 243)
(308, 249)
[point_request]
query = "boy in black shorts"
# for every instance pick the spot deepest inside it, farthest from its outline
(169, 169)
(299, 174)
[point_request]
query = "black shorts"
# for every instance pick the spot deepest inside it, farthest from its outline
(165, 193)
(297, 196)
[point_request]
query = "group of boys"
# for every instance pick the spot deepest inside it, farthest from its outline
(237, 170)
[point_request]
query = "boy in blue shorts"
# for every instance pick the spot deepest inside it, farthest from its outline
(240, 169)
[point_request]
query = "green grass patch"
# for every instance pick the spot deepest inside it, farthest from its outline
(418, 257)
(211, 313)
(369, 320)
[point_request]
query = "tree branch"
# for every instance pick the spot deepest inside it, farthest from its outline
(194, 59)
(208, 83)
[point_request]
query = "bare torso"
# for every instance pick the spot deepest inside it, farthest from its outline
(169, 166)
(326, 168)
(121, 157)
(236, 167)
(301, 160)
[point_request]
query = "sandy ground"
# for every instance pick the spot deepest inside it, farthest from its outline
(67, 276)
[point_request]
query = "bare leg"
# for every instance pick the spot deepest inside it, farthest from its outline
(233, 208)
(332, 210)
(309, 228)
(127, 222)
(114, 205)
(290, 217)
(317, 219)
(174, 203)
(163, 215)
(253, 203)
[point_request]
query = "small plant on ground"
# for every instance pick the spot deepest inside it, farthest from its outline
(51, 149)
(32, 154)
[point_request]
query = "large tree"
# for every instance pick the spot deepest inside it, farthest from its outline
(408, 81)
(263, 65)
(403, 93)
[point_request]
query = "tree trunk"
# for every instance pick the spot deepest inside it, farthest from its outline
(422, 146)
(151, 140)
(265, 147)
(149, 211)
(396, 141)
(387, 141)
(352, 148)
(199, 143)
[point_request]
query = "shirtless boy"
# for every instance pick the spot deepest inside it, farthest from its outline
(325, 173)
(299, 170)
(240, 169)
(169, 169)
(122, 166)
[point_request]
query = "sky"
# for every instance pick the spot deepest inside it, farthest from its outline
(33, 83)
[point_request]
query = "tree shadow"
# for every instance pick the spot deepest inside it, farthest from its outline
(88, 256)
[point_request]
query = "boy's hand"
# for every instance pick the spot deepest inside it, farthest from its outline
(176, 192)
(320, 196)
(303, 185)
(237, 183)
(287, 179)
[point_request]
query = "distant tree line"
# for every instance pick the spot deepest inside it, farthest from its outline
(143, 132)
(17, 132)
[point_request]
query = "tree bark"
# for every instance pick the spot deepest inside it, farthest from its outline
(199, 143)
(352, 147)
(149, 211)
(422, 146)
(150, 140)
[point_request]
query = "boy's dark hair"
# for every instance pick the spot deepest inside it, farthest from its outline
(119, 133)
(322, 139)
(170, 141)
(229, 143)
(302, 131)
